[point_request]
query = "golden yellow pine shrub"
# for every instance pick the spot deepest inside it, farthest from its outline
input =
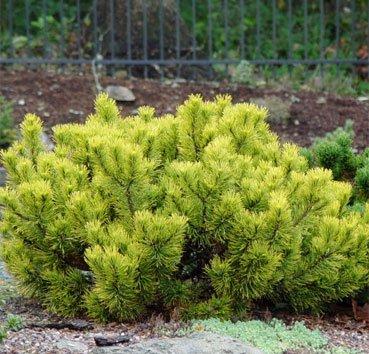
(203, 212)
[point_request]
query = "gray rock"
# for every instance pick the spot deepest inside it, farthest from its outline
(2, 176)
(120, 93)
(75, 112)
(321, 100)
(363, 98)
(106, 341)
(47, 141)
(72, 346)
(295, 99)
(195, 343)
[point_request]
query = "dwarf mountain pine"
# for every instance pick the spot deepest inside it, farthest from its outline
(202, 212)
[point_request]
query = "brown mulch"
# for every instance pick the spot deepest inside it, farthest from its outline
(61, 98)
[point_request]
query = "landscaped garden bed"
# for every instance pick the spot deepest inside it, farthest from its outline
(184, 177)
(217, 219)
(39, 331)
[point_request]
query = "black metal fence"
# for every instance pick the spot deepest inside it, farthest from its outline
(183, 37)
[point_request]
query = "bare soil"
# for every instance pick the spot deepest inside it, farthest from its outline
(63, 98)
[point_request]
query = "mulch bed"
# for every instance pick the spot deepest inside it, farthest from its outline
(61, 98)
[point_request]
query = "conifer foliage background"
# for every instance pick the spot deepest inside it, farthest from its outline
(200, 213)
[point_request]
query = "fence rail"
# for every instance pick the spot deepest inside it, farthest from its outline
(186, 37)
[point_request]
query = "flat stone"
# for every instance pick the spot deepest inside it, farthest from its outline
(195, 343)
(72, 346)
(74, 325)
(321, 100)
(120, 93)
(363, 98)
(105, 341)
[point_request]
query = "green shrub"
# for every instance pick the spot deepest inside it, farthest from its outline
(3, 334)
(202, 213)
(362, 180)
(12, 323)
(244, 73)
(7, 131)
(336, 152)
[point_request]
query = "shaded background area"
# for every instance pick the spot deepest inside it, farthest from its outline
(189, 38)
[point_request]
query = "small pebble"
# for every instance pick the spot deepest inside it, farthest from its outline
(321, 100)
(295, 99)
(78, 113)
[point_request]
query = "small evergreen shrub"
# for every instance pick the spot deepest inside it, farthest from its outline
(200, 213)
(335, 151)
(7, 131)
(244, 73)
